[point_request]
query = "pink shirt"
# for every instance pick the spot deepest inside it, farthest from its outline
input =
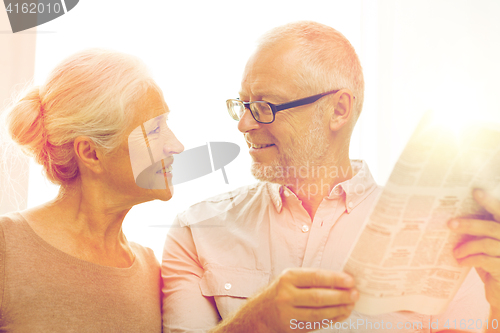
(225, 249)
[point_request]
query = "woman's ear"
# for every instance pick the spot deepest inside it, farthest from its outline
(87, 154)
(343, 110)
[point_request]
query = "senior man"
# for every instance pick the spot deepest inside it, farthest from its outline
(268, 257)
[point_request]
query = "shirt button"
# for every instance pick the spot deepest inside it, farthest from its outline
(227, 286)
(337, 190)
(351, 204)
(305, 228)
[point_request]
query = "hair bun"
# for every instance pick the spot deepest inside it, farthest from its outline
(25, 123)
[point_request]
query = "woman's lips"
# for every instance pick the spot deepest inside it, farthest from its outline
(167, 170)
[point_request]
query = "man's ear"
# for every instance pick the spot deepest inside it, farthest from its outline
(87, 154)
(343, 111)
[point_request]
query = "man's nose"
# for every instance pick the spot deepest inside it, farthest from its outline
(247, 122)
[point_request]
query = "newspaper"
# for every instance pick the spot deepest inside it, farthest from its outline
(403, 257)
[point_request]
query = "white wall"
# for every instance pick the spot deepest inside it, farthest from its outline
(416, 55)
(17, 65)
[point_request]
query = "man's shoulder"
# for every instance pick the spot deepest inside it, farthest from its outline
(241, 198)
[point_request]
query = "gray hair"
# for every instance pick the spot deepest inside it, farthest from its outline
(91, 94)
(329, 60)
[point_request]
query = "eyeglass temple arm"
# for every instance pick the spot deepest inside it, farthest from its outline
(303, 101)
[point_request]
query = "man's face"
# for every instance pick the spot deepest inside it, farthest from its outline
(299, 136)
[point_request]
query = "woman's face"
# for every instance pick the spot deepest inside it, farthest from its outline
(146, 156)
(150, 162)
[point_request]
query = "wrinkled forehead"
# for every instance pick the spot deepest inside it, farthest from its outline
(150, 105)
(272, 71)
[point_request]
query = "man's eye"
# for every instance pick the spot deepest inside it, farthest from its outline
(155, 131)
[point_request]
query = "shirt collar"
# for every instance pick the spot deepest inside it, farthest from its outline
(355, 189)
(275, 191)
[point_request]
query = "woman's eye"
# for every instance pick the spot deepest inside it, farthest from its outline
(155, 131)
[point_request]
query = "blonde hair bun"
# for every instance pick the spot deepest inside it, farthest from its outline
(25, 121)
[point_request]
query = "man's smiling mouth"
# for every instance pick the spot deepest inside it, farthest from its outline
(255, 146)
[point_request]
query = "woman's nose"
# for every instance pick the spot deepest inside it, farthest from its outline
(172, 145)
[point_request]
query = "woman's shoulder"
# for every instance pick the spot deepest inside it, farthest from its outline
(11, 220)
(7, 218)
(144, 254)
(11, 227)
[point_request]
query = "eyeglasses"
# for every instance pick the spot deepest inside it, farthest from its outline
(264, 112)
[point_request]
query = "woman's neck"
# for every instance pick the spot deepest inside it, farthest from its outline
(84, 224)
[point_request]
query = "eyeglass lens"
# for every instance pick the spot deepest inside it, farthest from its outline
(262, 112)
(236, 108)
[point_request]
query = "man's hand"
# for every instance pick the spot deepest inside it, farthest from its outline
(298, 295)
(483, 251)
(309, 295)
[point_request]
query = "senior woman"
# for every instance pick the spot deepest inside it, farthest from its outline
(98, 128)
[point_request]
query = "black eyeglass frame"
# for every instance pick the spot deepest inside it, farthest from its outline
(284, 106)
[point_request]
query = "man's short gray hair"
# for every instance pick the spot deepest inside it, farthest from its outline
(329, 60)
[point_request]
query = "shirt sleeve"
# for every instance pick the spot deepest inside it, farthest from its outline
(185, 309)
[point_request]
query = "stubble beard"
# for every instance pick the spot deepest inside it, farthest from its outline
(308, 152)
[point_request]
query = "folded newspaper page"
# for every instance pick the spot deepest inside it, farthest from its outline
(403, 258)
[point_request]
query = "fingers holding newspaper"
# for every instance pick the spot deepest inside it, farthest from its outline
(483, 250)
(308, 295)
(297, 296)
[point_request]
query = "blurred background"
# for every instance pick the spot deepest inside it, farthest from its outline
(440, 55)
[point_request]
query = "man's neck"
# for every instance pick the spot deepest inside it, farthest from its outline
(312, 190)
